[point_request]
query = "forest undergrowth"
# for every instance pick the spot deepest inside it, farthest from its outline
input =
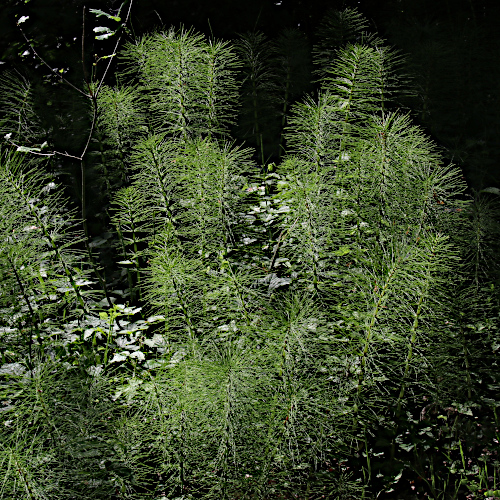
(207, 323)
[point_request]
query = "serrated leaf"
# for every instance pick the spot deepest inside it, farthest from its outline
(24, 149)
(156, 341)
(100, 13)
(104, 37)
(406, 447)
(102, 29)
(119, 357)
(139, 355)
(131, 310)
(88, 333)
(154, 319)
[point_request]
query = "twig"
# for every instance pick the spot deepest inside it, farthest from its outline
(92, 126)
(84, 69)
(114, 51)
(91, 95)
(50, 67)
(44, 154)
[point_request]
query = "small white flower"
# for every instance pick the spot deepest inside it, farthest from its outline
(8, 136)
(22, 19)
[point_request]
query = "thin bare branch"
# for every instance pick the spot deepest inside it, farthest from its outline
(48, 65)
(114, 51)
(85, 72)
(53, 153)
(92, 126)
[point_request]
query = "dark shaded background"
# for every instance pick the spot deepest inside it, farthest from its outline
(453, 48)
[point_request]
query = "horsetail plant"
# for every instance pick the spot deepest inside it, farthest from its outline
(299, 309)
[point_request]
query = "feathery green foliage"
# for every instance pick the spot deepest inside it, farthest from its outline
(258, 88)
(338, 29)
(17, 103)
(189, 83)
(302, 317)
(38, 261)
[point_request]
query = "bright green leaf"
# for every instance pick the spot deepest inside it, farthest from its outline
(102, 29)
(100, 13)
(104, 37)
(343, 250)
(24, 149)
(119, 357)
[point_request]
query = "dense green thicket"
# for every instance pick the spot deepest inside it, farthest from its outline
(327, 327)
